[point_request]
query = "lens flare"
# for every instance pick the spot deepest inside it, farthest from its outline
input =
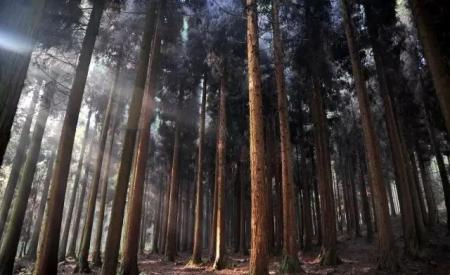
(13, 42)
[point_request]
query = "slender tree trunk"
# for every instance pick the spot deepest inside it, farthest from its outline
(387, 259)
(10, 241)
(242, 205)
(20, 19)
(47, 260)
(134, 211)
(69, 214)
(259, 253)
(365, 203)
(197, 250)
(17, 163)
(441, 167)
(156, 234)
(328, 255)
(290, 262)
(32, 248)
(212, 239)
(219, 262)
(80, 207)
(96, 255)
(83, 265)
(426, 181)
(120, 192)
(434, 56)
(165, 219)
(171, 234)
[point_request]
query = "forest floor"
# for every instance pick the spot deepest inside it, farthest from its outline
(358, 257)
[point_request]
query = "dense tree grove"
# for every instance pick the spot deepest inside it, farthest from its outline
(247, 136)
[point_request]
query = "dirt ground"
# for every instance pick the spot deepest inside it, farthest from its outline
(358, 257)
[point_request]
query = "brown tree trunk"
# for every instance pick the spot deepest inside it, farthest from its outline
(242, 204)
(20, 19)
(134, 212)
(120, 191)
(426, 181)
(387, 259)
(47, 260)
(259, 253)
(17, 163)
(32, 248)
(83, 265)
(290, 262)
(81, 202)
(197, 250)
(10, 241)
(165, 213)
(328, 255)
(69, 214)
(213, 229)
(434, 56)
(365, 202)
(219, 261)
(171, 235)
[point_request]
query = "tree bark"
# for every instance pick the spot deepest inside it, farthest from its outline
(198, 226)
(387, 259)
(134, 211)
(10, 241)
(32, 248)
(69, 214)
(219, 262)
(434, 56)
(328, 255)
(47, 260)
(171, 234)
(290, 262)
(118, 207)
(17, 163)
(20, 19)
(259, 253)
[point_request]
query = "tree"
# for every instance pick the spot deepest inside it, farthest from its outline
(259, 253)
(17, 163)
(290, 261)
(387, 259)
(120, 191)
(69, 214)
(48, 252)
(32, 248)
(11, 239)
(198, 226)
(134, 212)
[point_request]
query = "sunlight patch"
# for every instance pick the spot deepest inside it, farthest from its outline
(14, 42)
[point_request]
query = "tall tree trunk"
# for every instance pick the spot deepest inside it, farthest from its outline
(259, 253)
(426, 181)
(158, 217)
(10, 241)
(198, 246)
(434, 56)
(399, 156)
(120, 192)
(134, 211)
(328, 255)
(290, 262)
(219, 261)
(387, 259)
(17, 163)
(441, 166)
(19, 19)
(163, 240)
(171, 234)
(242, 204)
(32, 248)
(96, 255)
(47, 260)
(83, 265)
(365, 201)
(213, 229)
(69, 214)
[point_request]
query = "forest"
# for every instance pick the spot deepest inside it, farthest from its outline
(224, 137)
